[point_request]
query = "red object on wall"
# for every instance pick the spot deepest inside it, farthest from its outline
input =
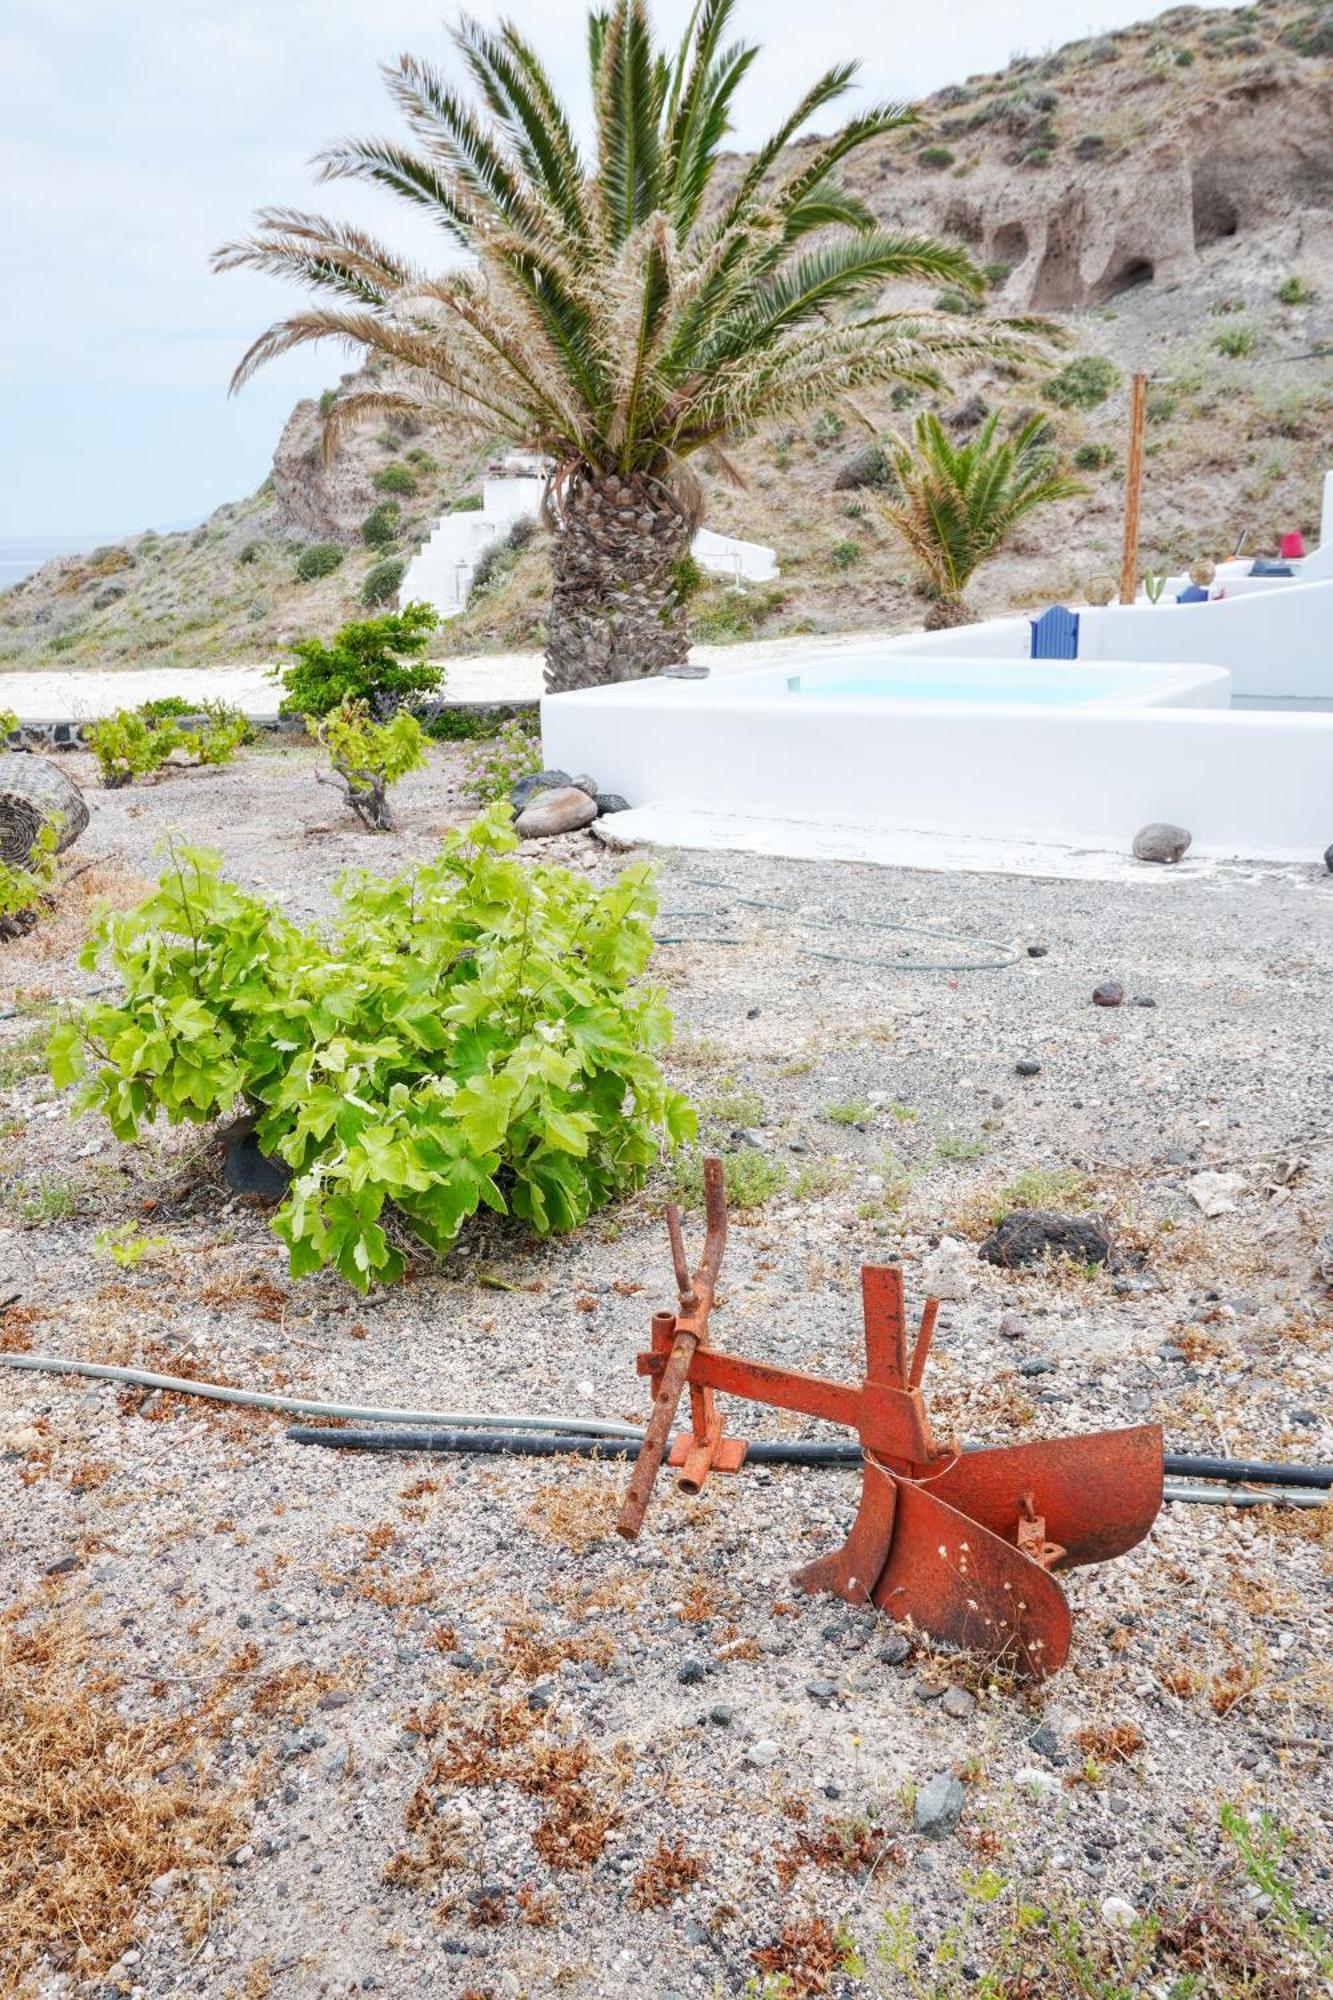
(1292, 544)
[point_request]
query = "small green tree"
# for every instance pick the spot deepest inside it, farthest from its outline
(320, 559)
(367, 757)
(958, 503)
(376, 660)
(382, 582)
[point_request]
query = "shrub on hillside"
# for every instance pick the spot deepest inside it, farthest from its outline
(379, 530)
(380, 661)
(474, 1032)
(1084, 382)
(1094, 457)
(381, 583)
(935, 156)
(320, 559)
(394, 478)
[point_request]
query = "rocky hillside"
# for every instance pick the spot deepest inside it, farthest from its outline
(1165, 192)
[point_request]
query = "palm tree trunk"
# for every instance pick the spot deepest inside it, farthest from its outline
(615, 612)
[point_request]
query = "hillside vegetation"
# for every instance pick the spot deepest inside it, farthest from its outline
(1165, 192)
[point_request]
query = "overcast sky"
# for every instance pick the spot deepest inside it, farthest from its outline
(136, 135)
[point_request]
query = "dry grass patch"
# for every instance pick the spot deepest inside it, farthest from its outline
(668, 1872)
(94, 1805)
(576, 1512)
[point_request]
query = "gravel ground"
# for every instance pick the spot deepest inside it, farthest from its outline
(430, 1684)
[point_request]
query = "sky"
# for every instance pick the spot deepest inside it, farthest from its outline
(137, 135)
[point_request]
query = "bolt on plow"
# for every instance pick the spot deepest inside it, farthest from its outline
(962, 1544)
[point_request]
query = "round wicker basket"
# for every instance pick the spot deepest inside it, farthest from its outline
(35, 793)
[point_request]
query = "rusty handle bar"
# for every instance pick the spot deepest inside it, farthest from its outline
(655, 1438)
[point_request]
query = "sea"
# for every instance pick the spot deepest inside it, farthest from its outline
(20, 555)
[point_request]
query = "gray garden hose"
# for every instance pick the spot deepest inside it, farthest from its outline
(300, 1406)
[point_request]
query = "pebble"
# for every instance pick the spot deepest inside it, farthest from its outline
(894, 1650)
(1013, 1326)
(823, 1692)
(1110, 993)
(958, 1703)
(1215, 1194)
(610, 802)
(523, 793)
(1036, 1781)
(1160, 841)
(1040, 1364)
(721, 1714)
(1047, 1744)
(1119, 1914)
(691, 1672)
(1143, 1000)
(949, 1272)
(762, 1753)
(1028, 1066)
(1038, 950)
(939, 1806)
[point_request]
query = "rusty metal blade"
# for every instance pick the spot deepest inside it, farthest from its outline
(1098, 1494)
(957, 1581)
(853, 1570)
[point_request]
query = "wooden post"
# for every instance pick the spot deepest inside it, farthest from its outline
(1129, 561)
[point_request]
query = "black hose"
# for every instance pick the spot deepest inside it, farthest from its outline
(798, 1451)
(523, 1444)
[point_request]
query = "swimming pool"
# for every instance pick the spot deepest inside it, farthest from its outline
(856, 675)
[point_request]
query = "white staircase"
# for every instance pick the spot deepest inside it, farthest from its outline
(441, 572)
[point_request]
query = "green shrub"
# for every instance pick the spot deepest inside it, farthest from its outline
(472, 725)
(1083, 382)
(476, 1031)
(492, 768)
(379, 530)
(845, 554)
(376, 660)
(394, 478)
(827, 428)
(467, 503)
(366, 757)
(935, 156)
(128, 746)
(24, 886)
(1094, 457)
(1234, 341)
(996, 273)
(327, 400)
(382, 582)
(425, 463)
(388, 440)
(687, 576)
(320, 559)
(734, 613)
(1037, 156)
(250, 553)
(956, 302)
(1294, 291)
(133, 743)
(1161, 405)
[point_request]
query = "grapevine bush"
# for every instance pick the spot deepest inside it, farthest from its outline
(133, 743)
(475, 1031)
(367, 757)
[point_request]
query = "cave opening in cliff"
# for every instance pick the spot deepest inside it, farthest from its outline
(1010, 245)
(1215, 213)
(1125, 276)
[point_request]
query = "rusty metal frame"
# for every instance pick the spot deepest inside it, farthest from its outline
(961, 1544)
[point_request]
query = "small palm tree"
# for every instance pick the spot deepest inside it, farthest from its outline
(957, 504)
(616, 314)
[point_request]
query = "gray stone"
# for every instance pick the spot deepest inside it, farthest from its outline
(1328, 859)
(762, 1753)
(823, 1692)
(958, 1703)
(1047, 1744)
(1013, 1326)
(526, 789)
(585, 784)
(894, 1650)
(564, 811)
(1038, 1365)
(1161, 842)
(721, 1713)
(939, 1806)
(611, 802)
(691, 1672)
(1028, 1066)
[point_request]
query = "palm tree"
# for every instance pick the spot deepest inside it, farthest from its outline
(620, 313)
(957, 504)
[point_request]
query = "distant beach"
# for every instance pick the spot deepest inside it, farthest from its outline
(20, 555)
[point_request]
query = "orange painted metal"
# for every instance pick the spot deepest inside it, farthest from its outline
(962, 1545)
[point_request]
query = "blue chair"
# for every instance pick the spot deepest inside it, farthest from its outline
(1055, 634)
(1192, 594)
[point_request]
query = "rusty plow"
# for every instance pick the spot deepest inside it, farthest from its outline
(964, 1545)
